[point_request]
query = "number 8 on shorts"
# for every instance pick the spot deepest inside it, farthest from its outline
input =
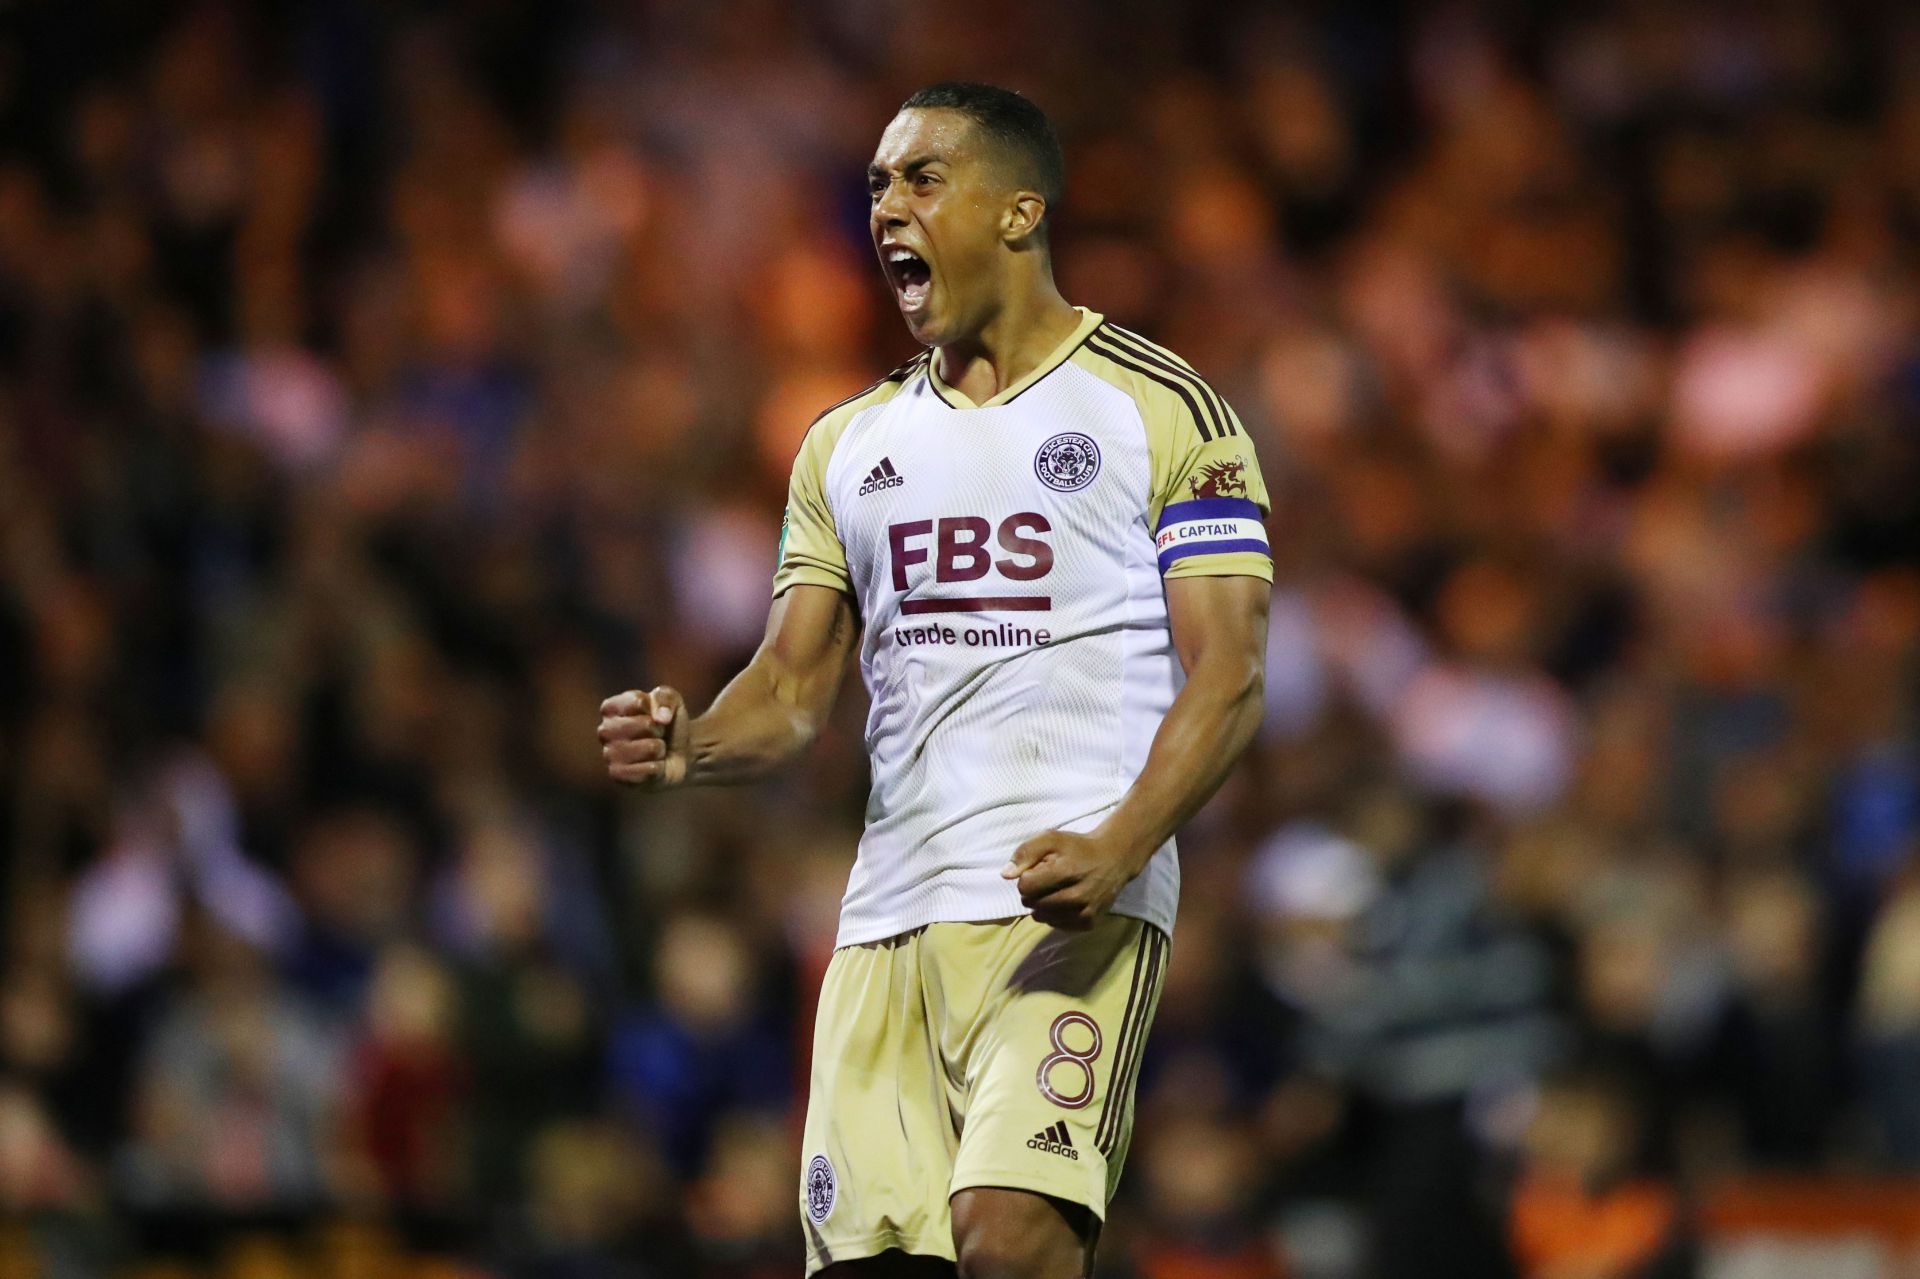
(1070, 1065)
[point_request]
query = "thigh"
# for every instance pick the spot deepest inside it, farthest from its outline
(1015, 1232)
(1051, 1073)
(877, 1155)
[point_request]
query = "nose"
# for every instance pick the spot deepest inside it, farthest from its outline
(891, 208)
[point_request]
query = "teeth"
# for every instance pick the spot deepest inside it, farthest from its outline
(903, 255)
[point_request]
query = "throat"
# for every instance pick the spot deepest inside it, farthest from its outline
(988, 366)
(974, 376)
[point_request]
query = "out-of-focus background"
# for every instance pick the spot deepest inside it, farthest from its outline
(383, 384)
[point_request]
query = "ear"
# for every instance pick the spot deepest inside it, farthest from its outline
(1023, 216)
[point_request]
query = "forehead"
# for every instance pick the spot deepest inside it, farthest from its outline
(922, 133)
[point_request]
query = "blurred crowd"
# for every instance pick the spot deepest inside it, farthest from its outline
(383, 384)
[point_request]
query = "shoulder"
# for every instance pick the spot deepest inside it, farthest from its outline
(1170, 393)
(833, 421)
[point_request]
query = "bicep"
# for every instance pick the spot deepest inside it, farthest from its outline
(810, 632)
(1219, 619)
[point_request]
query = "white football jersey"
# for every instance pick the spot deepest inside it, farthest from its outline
(1006, 561)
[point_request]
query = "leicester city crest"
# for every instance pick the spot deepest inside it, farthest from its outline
(1068, 462)
(820, 1188)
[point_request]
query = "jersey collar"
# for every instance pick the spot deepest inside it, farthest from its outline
(1089, 321)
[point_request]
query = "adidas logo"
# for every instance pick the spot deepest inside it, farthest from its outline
(882, 476)
(1054, 1141)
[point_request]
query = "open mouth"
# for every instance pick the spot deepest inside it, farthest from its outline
(911, 276)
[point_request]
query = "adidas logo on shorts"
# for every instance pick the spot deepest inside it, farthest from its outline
(882, 476)
(1054, 1141)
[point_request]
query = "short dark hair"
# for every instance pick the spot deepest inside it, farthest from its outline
(1014, 124)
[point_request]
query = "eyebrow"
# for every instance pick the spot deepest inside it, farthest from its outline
(912, 166)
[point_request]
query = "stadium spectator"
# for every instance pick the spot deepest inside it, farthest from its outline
(1580, 1208)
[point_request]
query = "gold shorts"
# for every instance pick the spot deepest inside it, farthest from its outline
(961, 1055)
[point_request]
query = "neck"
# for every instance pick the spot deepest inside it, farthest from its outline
(1020, 333)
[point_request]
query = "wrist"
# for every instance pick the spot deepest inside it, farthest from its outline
(698, 760)
(1134, 843)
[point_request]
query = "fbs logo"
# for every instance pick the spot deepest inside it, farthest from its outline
(882, 476)
(1220, 479)
(1054, 1141)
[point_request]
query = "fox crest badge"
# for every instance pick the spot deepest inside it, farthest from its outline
(1220, 479)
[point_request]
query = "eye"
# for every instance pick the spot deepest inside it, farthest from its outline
(876, 187)
(923, 181)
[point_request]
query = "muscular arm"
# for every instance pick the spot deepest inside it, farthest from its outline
(1220, 632)
(773, 709)
(768, 713)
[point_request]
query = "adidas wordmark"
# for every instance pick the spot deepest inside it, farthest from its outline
(882, 476)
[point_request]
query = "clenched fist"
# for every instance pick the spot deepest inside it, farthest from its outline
(643, 738)
(1069, 880)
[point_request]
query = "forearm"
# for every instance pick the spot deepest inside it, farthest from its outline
(1209, 725)
(761, 720)
(764, 717)
(1219, 627)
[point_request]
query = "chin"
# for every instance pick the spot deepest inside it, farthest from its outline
(924, 328)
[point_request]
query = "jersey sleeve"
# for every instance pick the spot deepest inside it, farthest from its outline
(1209, 498)
(811, 552)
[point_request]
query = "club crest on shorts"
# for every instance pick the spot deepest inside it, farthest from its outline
(820, 1189)
(1067, 462)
